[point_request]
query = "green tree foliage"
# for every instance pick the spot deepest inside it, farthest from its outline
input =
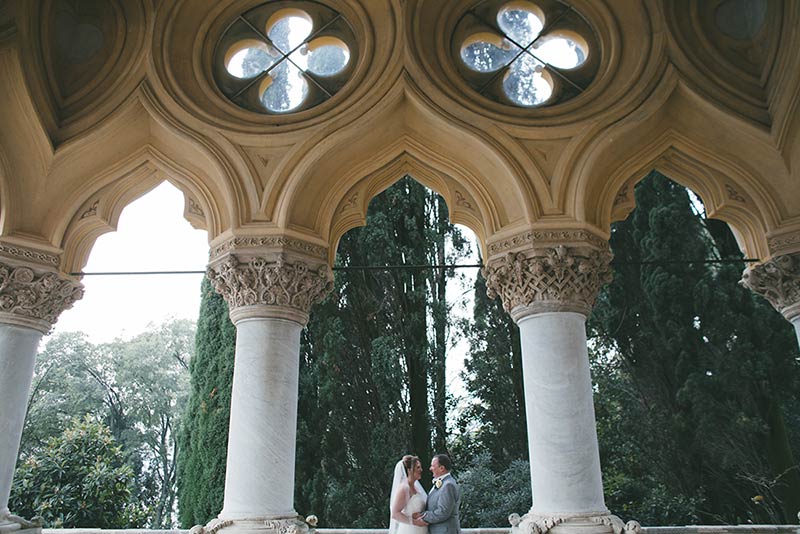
(78, 479)
(492, 426)
(203, 442)
(372, 384)
(693, 375)
(137, 388)
(488, 497)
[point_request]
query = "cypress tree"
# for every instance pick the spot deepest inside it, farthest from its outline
(204, 437)
(495, 423)
(693, 374)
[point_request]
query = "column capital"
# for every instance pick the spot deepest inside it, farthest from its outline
(549, 278)
(778, 281)
(270, 286)
(33, 293)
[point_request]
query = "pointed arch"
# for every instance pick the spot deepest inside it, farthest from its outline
(666, 137)
(484, 187)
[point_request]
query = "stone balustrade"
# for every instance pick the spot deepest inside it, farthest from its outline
(691, 529)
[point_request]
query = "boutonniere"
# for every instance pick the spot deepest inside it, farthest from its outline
(437, 483)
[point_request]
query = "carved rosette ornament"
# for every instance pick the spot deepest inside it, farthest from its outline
(262, 288)
(778, 281)
(551, 279)
(35, 299)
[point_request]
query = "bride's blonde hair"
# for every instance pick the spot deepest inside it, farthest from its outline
(409, 462)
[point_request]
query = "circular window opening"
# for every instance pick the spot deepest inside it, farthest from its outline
(275, 59)
(526, 54)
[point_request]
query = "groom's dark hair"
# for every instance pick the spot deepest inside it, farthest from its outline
(444, 461)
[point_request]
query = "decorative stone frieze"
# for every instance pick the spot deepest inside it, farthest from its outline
(550, 279)
(35, 299)
(778, 281)
(28, 255)
(531, 523)
(265, 242)
(784, 243)
(538, 237)
(293, 286)
(14, 523)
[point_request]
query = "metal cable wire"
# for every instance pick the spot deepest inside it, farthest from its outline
(345, 268)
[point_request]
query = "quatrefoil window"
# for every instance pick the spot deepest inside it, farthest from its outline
(284, 57)
(526, 54)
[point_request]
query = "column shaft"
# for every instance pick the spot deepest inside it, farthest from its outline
(259, 482)
(17, 357)
(562, 439)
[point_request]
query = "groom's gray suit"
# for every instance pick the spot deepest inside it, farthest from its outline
(442, 509)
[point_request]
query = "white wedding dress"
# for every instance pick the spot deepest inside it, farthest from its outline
(403, 504)
(416, 504)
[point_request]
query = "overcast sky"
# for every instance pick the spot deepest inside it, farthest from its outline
(152, 236)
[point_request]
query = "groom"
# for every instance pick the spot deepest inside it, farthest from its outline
(441, 515)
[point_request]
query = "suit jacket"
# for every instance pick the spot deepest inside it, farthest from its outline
(442, 508)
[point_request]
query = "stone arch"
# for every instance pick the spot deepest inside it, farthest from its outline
(723, 177)
(100, 213)
(338, 173)
(94, 179)
(351, 212)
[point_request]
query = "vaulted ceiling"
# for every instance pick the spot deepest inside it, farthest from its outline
(100, 100)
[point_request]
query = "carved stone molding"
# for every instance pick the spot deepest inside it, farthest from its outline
(552, 279)
(290, 525)
(784, 243)
(778, 281)
(278, 242)
(14, 523)
(35, 299)
(260, 288)
(213, 526)
(531, 523)
(538, 237)
(27, 254)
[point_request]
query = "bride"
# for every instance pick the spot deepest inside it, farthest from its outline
(407, 497)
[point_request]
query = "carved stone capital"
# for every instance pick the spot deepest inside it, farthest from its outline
(593, 523)
(261, 288)
(778, 281)
(549, 279)
(33, 297)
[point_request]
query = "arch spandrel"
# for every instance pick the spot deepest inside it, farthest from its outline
(731, 165)
(406, 137)
(110, 166)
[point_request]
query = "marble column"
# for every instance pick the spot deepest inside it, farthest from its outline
(778, 281)
(269, 303)
(31, 299)
(549, 292)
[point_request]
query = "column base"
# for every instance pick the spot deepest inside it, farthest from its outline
(13, 523)
(283, 525)
(532, 523)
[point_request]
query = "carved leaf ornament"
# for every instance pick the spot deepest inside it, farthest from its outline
(278, 284)
(42, 297)
(777, 280)
(560, 277)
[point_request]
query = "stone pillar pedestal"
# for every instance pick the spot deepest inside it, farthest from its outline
(778, 281)
(269, 298)
(31, 298)
(549, 292)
